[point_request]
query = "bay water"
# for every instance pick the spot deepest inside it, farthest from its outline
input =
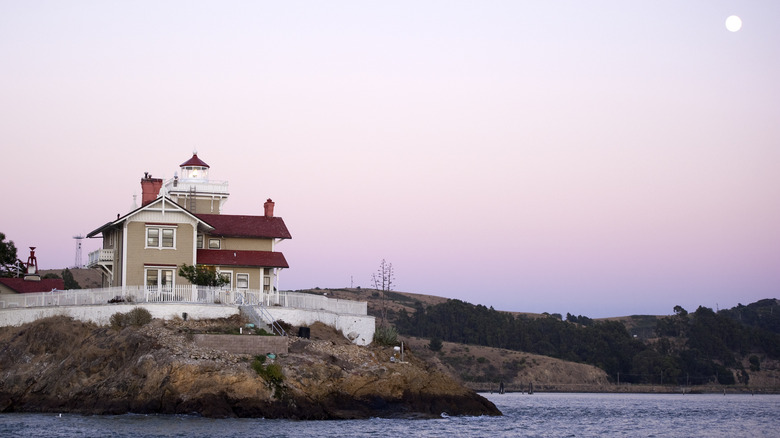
(540, 414)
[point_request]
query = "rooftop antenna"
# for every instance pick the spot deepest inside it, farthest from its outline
(78, 238)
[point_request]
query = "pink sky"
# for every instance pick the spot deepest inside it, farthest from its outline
(597, 158)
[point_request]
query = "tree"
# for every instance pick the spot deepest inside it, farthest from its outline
(8, 260)
(383, 277)
(202, 275)
(70, 282)
(383, 281)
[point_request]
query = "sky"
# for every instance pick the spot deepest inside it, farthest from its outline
(599, 158)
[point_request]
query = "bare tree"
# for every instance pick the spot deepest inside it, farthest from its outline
(383, 280)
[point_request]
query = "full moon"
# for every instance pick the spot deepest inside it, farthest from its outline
(733, 23)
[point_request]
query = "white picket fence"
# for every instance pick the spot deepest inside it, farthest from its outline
(183, 294)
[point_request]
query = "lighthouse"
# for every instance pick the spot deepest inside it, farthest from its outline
(192, 188)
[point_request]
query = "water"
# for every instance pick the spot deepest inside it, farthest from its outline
(560, 415)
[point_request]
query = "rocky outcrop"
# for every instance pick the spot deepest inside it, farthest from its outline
(62, 365)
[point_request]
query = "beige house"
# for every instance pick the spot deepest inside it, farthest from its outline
(181, 222)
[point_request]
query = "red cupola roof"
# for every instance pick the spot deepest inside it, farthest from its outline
(194, 162)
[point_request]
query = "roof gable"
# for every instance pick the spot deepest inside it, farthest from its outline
(163, 202)
(246, 226)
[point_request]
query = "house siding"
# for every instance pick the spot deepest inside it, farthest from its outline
(201, 205)
(246, 244)
(139, 256)
(255, 275)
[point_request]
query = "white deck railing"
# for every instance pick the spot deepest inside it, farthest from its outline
(182, 294)
(101, 255)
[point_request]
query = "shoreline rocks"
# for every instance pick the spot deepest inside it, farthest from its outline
(58, 364)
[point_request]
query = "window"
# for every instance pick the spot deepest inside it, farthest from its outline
(242, 281)
(160, 237)
(227, 275)
(200, 241)
(159, 278)
(152, 237)
(214, 244)
(152, 275)
(267, 283)
(167, 238)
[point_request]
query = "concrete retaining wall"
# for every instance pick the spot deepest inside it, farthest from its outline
(243, 344)
(100, 314)
(357, 328)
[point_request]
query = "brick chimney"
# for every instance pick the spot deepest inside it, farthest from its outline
(150, 188)
(269, 208)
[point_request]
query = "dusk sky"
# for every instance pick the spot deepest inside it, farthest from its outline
(602, 158)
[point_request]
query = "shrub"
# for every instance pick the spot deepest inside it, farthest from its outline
(271, 373)
(386, 335)
(136, 317)
(139, 316)
(435, 344)
(257, 364)
(117, 320)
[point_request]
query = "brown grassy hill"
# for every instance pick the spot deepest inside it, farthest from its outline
(481, 368)
(478, 367)
(392, 301)
(86, 278)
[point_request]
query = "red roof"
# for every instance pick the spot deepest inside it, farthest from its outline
(22, 286)
(228, 225)
(194, 162)
(231, 257)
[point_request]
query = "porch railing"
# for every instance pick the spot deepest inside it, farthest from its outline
(182, 294)
(100, 255)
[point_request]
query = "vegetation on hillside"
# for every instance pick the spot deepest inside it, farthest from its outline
(8, 260)
(698, 348)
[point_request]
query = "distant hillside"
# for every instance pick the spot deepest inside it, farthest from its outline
(86, 278)
(394, 301)
(737, 347)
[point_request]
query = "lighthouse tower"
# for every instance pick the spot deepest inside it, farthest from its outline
(192, 189)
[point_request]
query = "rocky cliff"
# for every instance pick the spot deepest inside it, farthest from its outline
(62, 365)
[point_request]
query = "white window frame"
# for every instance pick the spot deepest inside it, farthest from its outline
(229, 275)
(199, 241)
(160, 231)
(239, 278)
(267, 280)
(219, 243)
(159, 270)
